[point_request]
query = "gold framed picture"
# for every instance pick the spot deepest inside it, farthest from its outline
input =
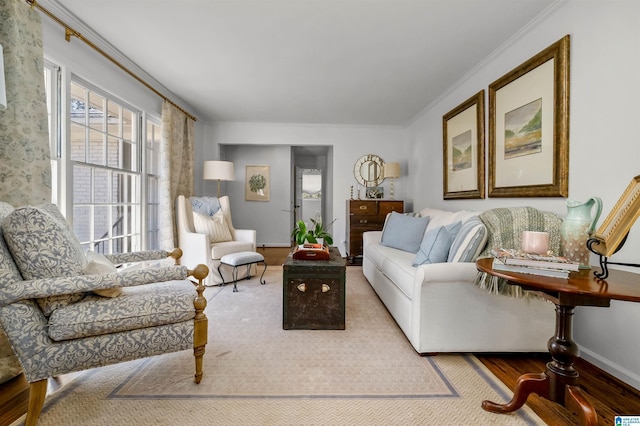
(257, 182)
(609, 237)
(529, 127)
(463, 149)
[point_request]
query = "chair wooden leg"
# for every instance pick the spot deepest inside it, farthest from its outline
(37, 395)
(200, 329)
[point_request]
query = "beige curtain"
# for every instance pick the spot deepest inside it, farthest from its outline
(25, 164)
(177, 168)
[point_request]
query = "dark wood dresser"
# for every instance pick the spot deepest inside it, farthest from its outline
(366, 215)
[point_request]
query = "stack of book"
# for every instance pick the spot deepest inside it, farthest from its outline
(527, 263)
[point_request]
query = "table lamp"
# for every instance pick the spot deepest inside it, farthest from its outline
(218, 170)
(391, 170)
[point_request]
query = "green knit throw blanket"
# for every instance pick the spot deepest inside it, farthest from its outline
(504, 230)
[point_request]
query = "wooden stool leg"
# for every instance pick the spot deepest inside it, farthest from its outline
(37, 395)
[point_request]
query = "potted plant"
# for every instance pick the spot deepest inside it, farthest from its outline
(301, 233)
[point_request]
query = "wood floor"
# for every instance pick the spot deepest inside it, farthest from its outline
(609, 395)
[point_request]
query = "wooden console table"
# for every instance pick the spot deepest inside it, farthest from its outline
(559, 382)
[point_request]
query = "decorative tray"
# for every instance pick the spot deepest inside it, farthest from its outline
(311, 252)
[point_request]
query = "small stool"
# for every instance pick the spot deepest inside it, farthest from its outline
(240, 259)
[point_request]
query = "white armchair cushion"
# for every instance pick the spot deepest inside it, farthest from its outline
(214, 226)
(98, 264)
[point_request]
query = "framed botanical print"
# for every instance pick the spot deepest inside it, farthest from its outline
(463, 149)
(529, 127)
(256, 187)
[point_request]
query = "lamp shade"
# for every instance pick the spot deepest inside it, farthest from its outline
(391, 170)
(218, 170)
(3, 88)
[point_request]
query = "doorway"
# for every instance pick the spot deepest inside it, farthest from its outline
(312, 184)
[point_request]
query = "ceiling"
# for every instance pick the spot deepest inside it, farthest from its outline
(358, 62)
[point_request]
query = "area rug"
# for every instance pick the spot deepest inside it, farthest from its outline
(256, 373)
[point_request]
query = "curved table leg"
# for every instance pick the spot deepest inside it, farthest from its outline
(527, 384)
(578, 403)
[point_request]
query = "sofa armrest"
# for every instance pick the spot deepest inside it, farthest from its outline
(247, 235)
(44, 287)
(369, 237)
(143, 256)
(196, 249)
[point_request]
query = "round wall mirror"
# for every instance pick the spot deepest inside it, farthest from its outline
(368, 170)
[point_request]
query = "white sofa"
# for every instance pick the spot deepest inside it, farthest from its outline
(440, 309)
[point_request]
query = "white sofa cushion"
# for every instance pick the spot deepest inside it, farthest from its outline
(442, 218)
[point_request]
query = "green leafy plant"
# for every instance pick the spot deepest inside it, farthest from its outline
(302, 233)
(257, 182)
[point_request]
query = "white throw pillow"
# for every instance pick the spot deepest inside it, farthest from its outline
(214, 226)
(98, 264)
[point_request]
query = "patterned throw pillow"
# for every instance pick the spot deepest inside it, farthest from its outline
(43, 245)
(98, 264)
(469, 242)
(214, 226)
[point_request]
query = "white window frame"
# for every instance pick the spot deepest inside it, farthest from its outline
(58, 84)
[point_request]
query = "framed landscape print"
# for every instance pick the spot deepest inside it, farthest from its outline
(256, 187)
(529, 127)
(463, 146)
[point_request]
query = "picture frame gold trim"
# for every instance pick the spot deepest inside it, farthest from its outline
(257, 183)
(610, 235)
(524, 170)
(463, 173)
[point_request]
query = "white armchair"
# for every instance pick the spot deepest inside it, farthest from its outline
(198, 249)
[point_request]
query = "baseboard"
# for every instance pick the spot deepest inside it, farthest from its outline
(276, 245)
(621, 373)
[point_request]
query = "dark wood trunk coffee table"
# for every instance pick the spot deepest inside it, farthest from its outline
(313, 293)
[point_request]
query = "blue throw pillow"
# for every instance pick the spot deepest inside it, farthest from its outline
(436, 244)
(207, 206)
(403, 232)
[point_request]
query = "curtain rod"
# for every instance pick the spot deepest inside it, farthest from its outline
(68, 32)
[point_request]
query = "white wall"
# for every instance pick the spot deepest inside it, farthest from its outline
(349, 143)
(604, 146)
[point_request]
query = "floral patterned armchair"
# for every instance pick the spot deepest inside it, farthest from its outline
(64, 311)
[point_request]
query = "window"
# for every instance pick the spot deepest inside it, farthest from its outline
(153, 181)
(105, 174)
(104, 152)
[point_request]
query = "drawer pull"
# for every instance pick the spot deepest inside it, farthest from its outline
(302, 287)
(364, 221)
(364, 207)
(325, 288)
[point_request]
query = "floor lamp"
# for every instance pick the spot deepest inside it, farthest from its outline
(391, 170)
(218, 170)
